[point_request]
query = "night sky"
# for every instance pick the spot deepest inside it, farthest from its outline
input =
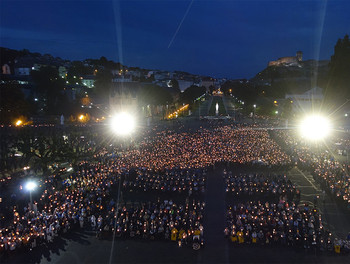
(233, 39)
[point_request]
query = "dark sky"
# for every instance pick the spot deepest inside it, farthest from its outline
(233, 39)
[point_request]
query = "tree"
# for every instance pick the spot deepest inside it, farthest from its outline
(151, 78)
(338, 86)
(108, 64)
(42, 151)
(154, 95)
(103, 84)
(265, 107)
(174, 84)
(279, 89)
(76, 70)
(191, 93)
(244, 91)
(103, 60)
(12, 103)
(49, 86)
(226, 87)
(211, 89)
(287, 109)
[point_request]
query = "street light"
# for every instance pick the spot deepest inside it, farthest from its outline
(315, 127)
(31, 186)
(19, 122)
(123, 124)
(254, 111)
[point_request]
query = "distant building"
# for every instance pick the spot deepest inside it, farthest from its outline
(166, 83)
(123, 96)
(72, 92)
(88, 81)
(184, 84)
(37, 66)
(116, 72)
(135, 73)
(306, 102)
(6, 69)
(24, 65)
(161, 75)
(122, 78)
(149, 74)
(288, 61)
(23, 71)
(62, 71)
(207, 82)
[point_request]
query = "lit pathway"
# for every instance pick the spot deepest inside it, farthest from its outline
(229, 105)
(203, 109)
(336, 218)
(216, 246)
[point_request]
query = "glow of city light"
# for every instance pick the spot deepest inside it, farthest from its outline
(19, 122)
(123, 123)
(31, 185)
(315, 127)
(176, 113)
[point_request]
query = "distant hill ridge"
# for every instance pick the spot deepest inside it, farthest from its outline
(296, 78)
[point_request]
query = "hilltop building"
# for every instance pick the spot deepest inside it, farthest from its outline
(288, 61)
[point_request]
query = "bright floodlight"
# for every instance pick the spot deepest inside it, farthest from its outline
(30, 186)
(19, 122)
(123, 123)
(315, 127)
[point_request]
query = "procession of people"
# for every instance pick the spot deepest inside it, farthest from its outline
(332, 174)
(282, 223)
(259, 186)
(167, 164)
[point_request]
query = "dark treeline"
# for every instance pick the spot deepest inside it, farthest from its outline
(40, 146)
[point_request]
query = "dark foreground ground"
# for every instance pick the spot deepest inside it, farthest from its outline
(83, 247)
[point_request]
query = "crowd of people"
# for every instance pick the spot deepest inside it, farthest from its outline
(205, 147)
(281, 223)
(163, 162)
(156, 220)
(334, 178)
(267, 187)
(332, 174)
(61, 205)
(187, 181)
(84, 200)
(266, 211)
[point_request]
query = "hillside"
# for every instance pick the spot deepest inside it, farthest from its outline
(294, 78)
